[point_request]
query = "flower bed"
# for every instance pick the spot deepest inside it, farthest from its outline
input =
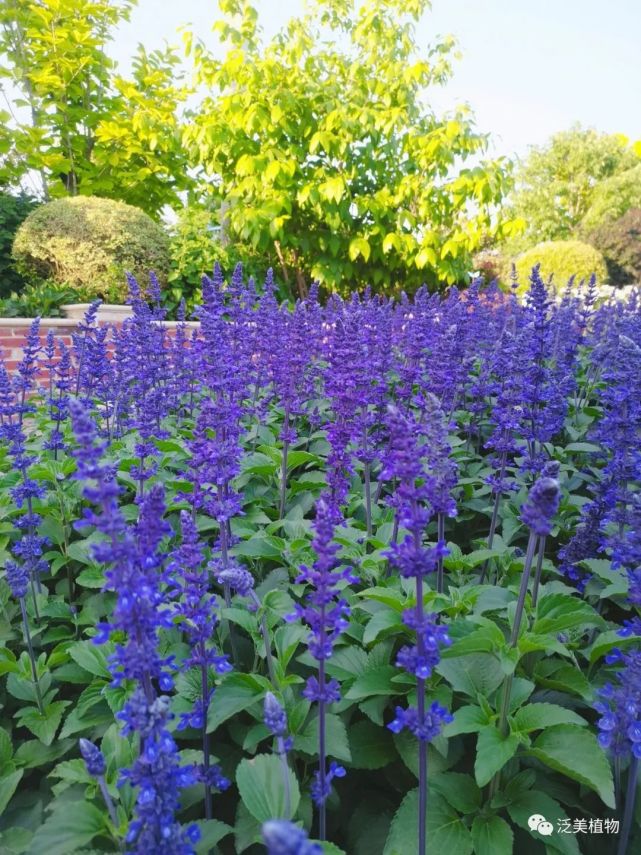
(365, 572)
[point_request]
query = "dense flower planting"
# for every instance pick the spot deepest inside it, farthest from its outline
(360, 577)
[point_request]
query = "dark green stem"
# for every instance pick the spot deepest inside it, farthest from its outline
(633, 773)
(34, 669)
(537, 574)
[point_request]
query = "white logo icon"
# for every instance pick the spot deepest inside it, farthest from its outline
(538, 822)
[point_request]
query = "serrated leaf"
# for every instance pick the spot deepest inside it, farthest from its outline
(575, 752)
(558, 612)
(468, 719)
(377, 681)
(92, 657)
(382, 621)
(261, 787)
(337, 744)
(473, 673)
(538, 716)
(446, 831)
(8, 786)
(536, 802)
(371, 747)
(492, 836)
(212, 831)
(460, 790)
(68, 829)
(43, 725)
(493, 750)
(236, 693)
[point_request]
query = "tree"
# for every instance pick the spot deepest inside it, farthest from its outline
(556, 185)
(620, 243)
(613, 197)
(325, 155)
(77, 124)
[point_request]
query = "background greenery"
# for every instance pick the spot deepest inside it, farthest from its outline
(317, 152)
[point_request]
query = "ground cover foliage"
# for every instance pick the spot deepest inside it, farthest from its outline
(327, 565)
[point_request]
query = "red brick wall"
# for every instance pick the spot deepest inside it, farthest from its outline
(13, 333)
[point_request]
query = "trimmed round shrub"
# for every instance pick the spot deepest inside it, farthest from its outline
(13, 211)
(561, 259)
(89, 244)
(620, 243)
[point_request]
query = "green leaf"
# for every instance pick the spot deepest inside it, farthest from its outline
(446, 831)
(347, 662)
(485, 639)
(359, 246)
(212, 832)
(566, 678)
(6, 748)
(493, 750)
(8, 785)
(468, 719)
(68, 829)
(15, 840)
(92, 657)
(460, 790)
(541, 715)
(335, 736)
(371, 747)
(575, 752)
(533, 802)
(91, 577)
(492, 836)
(287, 638)
(43, 725)
(383, 621)
(33, 753)
(236, 693)
(261, 787)
(474, 673)
(604, 643)
(587, 447)
(557, 612)
(378, 681)
(260, 546)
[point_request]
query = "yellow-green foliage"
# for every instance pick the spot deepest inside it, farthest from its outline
(89, 244)
(561, 259)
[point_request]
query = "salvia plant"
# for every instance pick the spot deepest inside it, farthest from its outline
(356, 576)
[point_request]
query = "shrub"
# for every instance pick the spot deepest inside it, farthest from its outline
(620, 243)
(195, 246)
(613, 198)
(490, 264)
(89, 244)
(41, 299)
(13, 210)
(561, 259)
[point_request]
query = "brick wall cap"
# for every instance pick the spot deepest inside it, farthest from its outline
(45, 323)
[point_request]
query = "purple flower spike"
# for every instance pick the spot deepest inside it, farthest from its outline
(541, 506)
(17, 578)
(620, 708)
(274, 715)
(239, 580)
(284, 838)
(93, 757)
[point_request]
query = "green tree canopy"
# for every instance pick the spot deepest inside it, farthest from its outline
(77, 123)
(325, 153)
(613, 198)
(558, 183)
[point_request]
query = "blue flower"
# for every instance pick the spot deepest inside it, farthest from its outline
(284, 838)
